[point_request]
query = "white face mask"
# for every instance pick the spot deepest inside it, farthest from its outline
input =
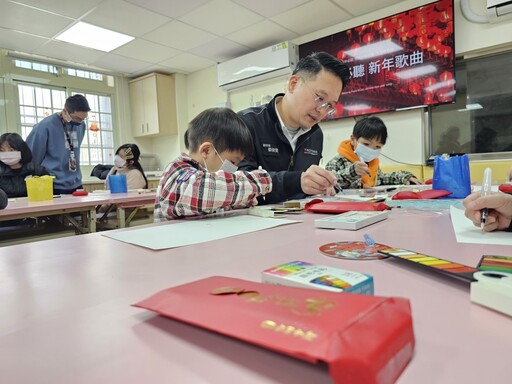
(366, 153)
(227, 166)
(119, 162)
(10, 157)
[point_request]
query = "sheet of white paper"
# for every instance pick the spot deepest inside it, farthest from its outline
(466, 232)
(195, 231)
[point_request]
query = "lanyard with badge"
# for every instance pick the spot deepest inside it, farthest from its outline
(72, 160)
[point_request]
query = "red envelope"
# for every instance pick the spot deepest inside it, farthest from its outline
(506, 188)
(319, 206)
(363, 339)
(427, 194)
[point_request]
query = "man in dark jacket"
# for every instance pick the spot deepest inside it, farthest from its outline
(288, 141)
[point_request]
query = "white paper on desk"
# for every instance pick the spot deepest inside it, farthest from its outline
(466, 232)
(195, 231)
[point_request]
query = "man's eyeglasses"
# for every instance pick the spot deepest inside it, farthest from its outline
(321, 103)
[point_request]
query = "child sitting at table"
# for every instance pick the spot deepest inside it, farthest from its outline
(16, 164)
(206, 179)
(357, 162)
(126, 162)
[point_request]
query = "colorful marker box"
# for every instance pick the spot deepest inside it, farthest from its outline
(433, 264)
(307, 275)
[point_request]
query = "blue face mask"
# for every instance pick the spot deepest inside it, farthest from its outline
(366, 153)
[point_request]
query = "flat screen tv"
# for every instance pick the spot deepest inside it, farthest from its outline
(403, 61)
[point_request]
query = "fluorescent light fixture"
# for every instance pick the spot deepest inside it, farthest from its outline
(441, 84)
(471, 107)
(416, 71)
(91, 36)
(380, 48)
(357, 107)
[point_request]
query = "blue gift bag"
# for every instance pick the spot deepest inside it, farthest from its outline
(452, 174)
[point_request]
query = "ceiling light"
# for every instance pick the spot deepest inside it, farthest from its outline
(380, 48)
(91, 36)
(416, 71)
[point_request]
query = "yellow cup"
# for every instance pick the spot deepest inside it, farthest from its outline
(40, 188)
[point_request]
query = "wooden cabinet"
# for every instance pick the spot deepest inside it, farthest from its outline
(153, 105)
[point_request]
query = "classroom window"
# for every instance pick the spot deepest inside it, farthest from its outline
(480, 121)
(98, 144)
(37, 102)
(41, 67)
(83, 74)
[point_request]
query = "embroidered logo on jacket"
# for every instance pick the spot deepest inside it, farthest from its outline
(309, 151)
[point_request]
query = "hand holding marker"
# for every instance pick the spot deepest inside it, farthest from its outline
(486, 190)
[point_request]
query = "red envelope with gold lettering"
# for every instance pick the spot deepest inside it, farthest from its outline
(363, 339)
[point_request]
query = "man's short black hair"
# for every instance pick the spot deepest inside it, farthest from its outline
(77, 103)
(312, 64)
(17, 143)
(371, 127)
(223, 128)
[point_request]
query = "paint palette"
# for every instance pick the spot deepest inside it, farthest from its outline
(433, 264)
(496, 263)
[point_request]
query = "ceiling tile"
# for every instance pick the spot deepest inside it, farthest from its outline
(179, 35)
(127, 18)
(188, 63)
(69, 52)
(220, 50)
(144, 50)
(261, 35)
(311, 17)
(358, 7)
(270, 8)
(18, 41)
(74, 9)
(120, 64)
(220, 17)
(168, 8)
(30, 20)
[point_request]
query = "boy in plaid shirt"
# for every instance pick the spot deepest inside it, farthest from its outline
(206, 179)
(357, 163)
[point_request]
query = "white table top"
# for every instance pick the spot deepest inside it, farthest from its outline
(66, 314)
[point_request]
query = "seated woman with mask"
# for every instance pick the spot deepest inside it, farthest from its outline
(126, 162)
(16, 164)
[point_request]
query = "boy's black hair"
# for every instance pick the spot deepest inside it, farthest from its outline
(223, 128)
(77, 103)
(132, 153)
(370, 128)
(16, 142)
(312, 64)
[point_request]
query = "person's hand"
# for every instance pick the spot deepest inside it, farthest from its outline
(330, 191)
(317, 181)
(500, 210)
(414, 181)
(361, 168)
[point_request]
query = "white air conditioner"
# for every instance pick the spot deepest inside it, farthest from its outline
(268, 63)
(499, 10)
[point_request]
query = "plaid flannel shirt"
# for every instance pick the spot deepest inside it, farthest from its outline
(347, 178)
(187, 189)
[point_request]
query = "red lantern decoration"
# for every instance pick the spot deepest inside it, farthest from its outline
(445, 76)
(415, 89)
(94, 127)
(341, 55)
(368, 38)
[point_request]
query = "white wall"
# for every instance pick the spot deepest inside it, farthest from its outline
(406, 141)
